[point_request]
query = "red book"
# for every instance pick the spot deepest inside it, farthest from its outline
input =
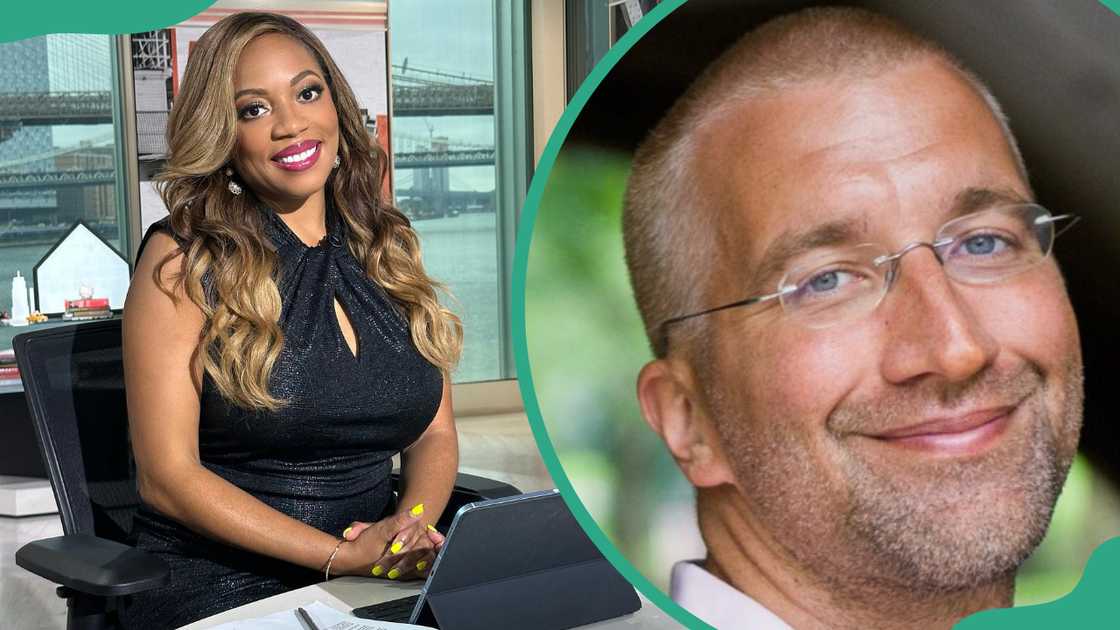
(9, 372)
(88, 303)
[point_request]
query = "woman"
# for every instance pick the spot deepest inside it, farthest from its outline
(281, 341)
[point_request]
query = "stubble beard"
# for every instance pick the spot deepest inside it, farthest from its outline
(962, 525)
(926, 530)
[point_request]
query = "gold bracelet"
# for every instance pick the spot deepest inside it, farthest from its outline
(327, 571)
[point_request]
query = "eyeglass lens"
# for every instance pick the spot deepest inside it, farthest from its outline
(979, 248)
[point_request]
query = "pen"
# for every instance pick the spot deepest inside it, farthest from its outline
(306, 618)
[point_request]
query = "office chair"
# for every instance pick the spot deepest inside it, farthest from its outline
(74, 384)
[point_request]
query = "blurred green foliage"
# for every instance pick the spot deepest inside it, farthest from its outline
(586, 346)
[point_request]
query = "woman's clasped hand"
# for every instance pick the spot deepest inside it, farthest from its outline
(400, 547)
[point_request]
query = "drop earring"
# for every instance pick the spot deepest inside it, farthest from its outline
(337, 161)
(233, 186)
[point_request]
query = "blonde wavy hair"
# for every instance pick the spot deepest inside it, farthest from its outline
(222, 235)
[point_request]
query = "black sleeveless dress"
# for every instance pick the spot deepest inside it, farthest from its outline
(324, 458)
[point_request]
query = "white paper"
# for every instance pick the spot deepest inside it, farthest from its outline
(325, 617)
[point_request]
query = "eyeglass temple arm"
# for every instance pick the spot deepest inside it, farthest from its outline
(747, 302)
(1073, 219)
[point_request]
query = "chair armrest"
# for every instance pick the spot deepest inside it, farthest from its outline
(482, 488)
(467, 489)
(93, 565)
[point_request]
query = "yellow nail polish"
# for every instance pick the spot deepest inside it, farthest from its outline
(346, 532)
(377, 570)
(394, 574)
(417, 509)
(420, 566)
(432, 529)
(396, 548)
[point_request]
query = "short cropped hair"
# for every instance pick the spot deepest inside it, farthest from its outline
(663, 220)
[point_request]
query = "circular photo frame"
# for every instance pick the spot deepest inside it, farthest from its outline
(627, 464)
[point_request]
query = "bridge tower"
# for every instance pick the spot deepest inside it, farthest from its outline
(433, 183)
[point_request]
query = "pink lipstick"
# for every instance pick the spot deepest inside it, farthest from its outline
(299, 156)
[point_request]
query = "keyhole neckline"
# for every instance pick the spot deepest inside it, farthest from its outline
(336, 306)
(283, 233)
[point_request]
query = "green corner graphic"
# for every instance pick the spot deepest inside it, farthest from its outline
(28, 19)
(1091, 604)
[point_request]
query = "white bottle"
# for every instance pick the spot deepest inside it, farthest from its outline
(20, 309)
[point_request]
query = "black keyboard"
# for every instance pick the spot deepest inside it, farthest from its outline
(399, 610)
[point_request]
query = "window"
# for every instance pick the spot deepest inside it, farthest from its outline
(456, 105)
(591, 28)
(59, 155)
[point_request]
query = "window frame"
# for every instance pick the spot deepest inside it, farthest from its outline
(513, 142)
(588, 35)
(124, 126)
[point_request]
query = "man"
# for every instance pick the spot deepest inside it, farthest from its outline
(866, 360)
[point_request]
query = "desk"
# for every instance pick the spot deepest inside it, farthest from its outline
(24, 489)
(347, 593)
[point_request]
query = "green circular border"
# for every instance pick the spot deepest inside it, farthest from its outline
(517, 311)
(517, 308)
